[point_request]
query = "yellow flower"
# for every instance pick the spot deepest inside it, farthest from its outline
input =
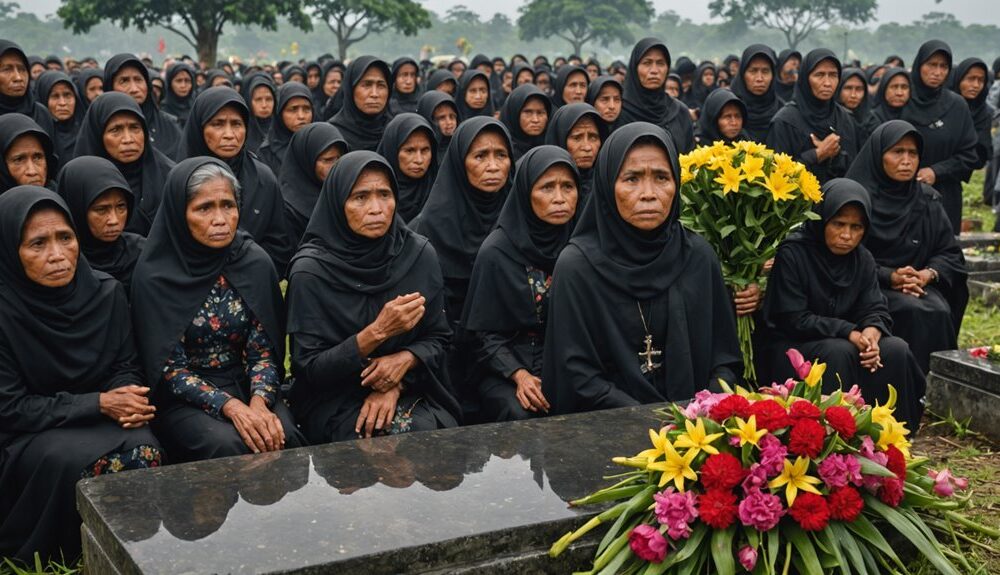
(882, 414)
(794, 478)
(809, 186)
(696, 439)
(675, 467)
(719, 148)
(730, 178)
(686, 175)
(753, 167)
(779, 186)
(659, 441)
(747, 431)
(785, 165)
(697, 158)
(815, 374)
(894, 433)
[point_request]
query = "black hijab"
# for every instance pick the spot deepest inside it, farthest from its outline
(26, 103)
(708, 121)
(759, 109)
(145, 176)
(292, 70)
(880, 107)
(429, 102)
(928, 105)
(982, 113)
(319, 98)
(696, 96)
(82, 78)
(510, 115)
(398, 101)
(499, 297)
(516, 71)
(457, 217)
(172, 103)
(653, 106)
(861, 113)
(175, 273)
(66, 131)
(12, 127)
(278, 134)
(440, 76)
(362, 131)
(412, 194)
(299, 186)
(560, 125)
(562, 77)
(595, 90)
(331, 105)
(212, 75)
(81, 182)
(785, 91)
(258, 127)
(818, 115)
(464, 111)
(162, 129)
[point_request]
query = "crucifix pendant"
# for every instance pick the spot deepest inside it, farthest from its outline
(648, 365)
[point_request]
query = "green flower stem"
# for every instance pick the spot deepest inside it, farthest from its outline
(559, 546)
(978, 527)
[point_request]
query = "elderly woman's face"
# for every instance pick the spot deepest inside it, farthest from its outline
(49, 249)
(107, 215)
(225, 133)
(371, 205)
(554, 195)
(645, 187)
(213, 215)
(26, 161)
(487, 164)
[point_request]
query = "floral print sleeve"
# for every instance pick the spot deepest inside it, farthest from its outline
(187, 386)
(261, 369)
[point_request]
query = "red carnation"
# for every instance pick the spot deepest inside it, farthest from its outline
(722, 471)
(770, 415)
(803, 409)
(845, 504)
(897, 463)
(717, 508)
(806, 438)
(810, 511)
(841, 420)
(891, 492)
(732, 405)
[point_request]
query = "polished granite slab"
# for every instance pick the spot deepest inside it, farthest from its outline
(967, 388)
(481, 499)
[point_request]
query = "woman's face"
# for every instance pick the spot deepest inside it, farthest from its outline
(845, 230)
(312, 77)
(653, 69)
(477, 93)
(262, 102)
(371, 93)
(525, 77)
(131, 81)
(897, 92)
(26, 161)
(448, 87)
(730, 121)
(584, 142)
(758, 75)
(487, 164)
(534, 117)
(225, 133)
(95, 87)
(446, 119)
(181, 84)
(332, 82)
(62, 102)
(934, 71)
(707, 77)
(371, 205)
(823, 80)
(575, 89)
(13, 75)
(554, 195)
(49, 249)
(107, 215)
(645, 187)
(970, 86)
(124, 138)
(790, 70)
(326, 161)
(406, 79)
(900, 162)
(672, 88)
(609, 103)
(593, 72)
(415, 155)
(544, 82)
(852, 93)
(213, 214)
(297, 113)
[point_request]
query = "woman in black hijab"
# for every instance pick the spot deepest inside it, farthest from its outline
(366, 320)
(28, 154)
(405, 89)
(180, 92)
(624, 290)
(293, 73)
(89, 85)
(313, 151)
(17, 92)
(440, 110)
(333, 79)
(579, 129)
(852, 94)
(570, 86)
(216, 77)
(99, 199)
(365, 111)
(702, 85)
(217, 128)
(812, 127)
(890, 98)
(72, 394)
(971, 80)
(209, 321)
(605, 95)
(260, 94)
(522, 74)
(823, 300)
(410, 147)
(292, 112)
(473, 95)
(644, 99)
(509, 290)
(314, 81)
(126, 73)
(946, 124)
(722, 118)
(755, 83)
(443, 81)
(921, 268)
(58, 93)
(145, 168)
(526, 114)
(787, 73)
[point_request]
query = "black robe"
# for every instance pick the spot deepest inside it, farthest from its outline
(560, 126)
(172, 103)
(59, 349)
(464, 110)
(412, 194)
(163, 129)
(655, 106)
(258, 128)
(707, 130)
(12, 127)
(399, 102)
(806, 115)
(881, 112)
(606, 275)
(910, 228)
(26, 103)
(502, 310)
(510, 116)
(272, 150)
(65, 131)
(815, 299)
(362, 131)
(760, 109)
(338, 284)
(299, 185)
(429, 103)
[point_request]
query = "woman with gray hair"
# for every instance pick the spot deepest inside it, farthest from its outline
(208, 317)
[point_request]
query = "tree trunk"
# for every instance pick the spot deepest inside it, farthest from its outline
(342, 44)
(208, 44)
(577, 46)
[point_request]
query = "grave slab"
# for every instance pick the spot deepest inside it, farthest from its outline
(979, 239)
(969, 387)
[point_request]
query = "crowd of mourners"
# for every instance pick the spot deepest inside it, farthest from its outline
(470, 243)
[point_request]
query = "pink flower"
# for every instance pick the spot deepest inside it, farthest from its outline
(945, 483)
(702, 403)
(980, 352)
(839, 470)
(676, 511)
(853, 396)
(780, 390)
(755, 479)
(647, 542)
(772, 454)
(867, 450)
(761, 510)
(799, 363)
(748, 557)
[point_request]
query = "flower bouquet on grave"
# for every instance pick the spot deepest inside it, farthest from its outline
(744, 199)
(777, 479)
(987, 352)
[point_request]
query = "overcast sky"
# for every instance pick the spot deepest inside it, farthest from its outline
(903, 11)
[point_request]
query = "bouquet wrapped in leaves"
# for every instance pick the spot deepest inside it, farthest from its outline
(744, 199)
(777, 479)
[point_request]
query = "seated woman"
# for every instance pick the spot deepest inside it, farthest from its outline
(101, 202)
(921, 269)
(28, 157)
(409, 145)
(579, 129)
(365, 109)
(366, 314)
(526, 113)
(208, 319)
(722, 118)
(638, 311)
(73, 400)
(755, 84)
(439, 109)
(115, 129)
(292, 112)
(125, 73)
(314, 150)
(823, 300)
(509, 291)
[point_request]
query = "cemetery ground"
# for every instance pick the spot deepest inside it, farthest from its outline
(944, 439)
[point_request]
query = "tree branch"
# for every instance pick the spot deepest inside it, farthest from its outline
(181, 34)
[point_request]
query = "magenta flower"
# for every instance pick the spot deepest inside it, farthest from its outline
(799, 363)
(945, 483)
(780, 390)
(853, 396)
(772, 454)
(755, 479)
(702, 403)
(839, 470)
(647, 542)
(867, 450)
(748, 557)
(761, 510)
(676, 511)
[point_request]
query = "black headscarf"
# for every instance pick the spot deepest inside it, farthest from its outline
(457, 217)
(861, 112)
(440, 76)
(172, 103)
(319, 98)
(560, 125)
(412, 194)
(510, 115)
(292, 70)
(162, 129)
(594, 90)
(331, 105)
(928, 105)
(880, 108)
(299, 186)
(278, 134)
(760, 109)
(82, 78)
(562, 76)
(499, 297)
(12, 127)
(80, 183)
(429, 102)
(818, 115)
(212, 75)
(696, 96)
(464, 111)
(398, 101)
(362, 131)
(654, 106)
(517, 69)
(145, 176)
(65, 132)
(26, 103)
(258, 128)
(785, 91)
(982, 113)
(708, 121)
(175, 273)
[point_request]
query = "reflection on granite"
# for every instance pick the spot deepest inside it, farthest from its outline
(442, 501)
(967, 388)
(959, 365)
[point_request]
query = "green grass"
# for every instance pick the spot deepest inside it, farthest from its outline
(972, 200)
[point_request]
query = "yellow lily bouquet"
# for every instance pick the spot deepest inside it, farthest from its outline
(744, 199)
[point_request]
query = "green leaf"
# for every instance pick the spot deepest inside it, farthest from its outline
(863, 528)
(869, 467)
(804, 548)
(849, 545)
(638, 501)
(616, 563)
(726, 230)
(773, 547)
(722, 551)
(929, 548)
(825, 538)
(689, 548)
